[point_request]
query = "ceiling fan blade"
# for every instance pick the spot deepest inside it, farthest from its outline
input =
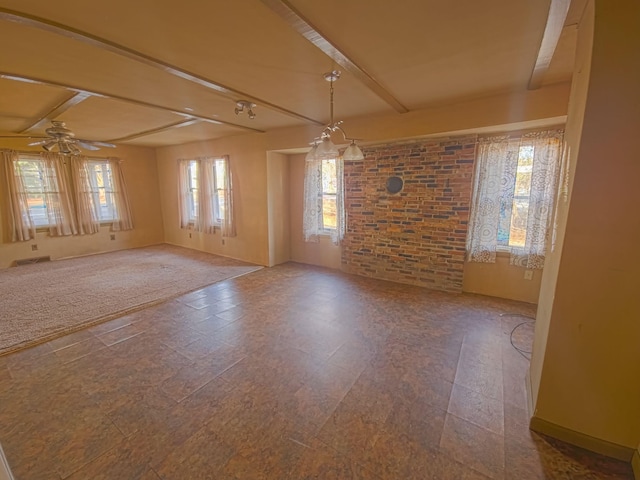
(41, 142)
(21, 136)
(87, 146)
(96, 143)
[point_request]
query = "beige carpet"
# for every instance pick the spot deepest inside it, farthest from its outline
(41, 301)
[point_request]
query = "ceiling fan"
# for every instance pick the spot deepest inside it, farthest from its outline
(60, 137)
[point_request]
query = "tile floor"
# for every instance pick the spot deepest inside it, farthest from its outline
(292, 372)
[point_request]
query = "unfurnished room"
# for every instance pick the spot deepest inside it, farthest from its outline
(292, 239)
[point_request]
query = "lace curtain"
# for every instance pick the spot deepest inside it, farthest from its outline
(312, 222)
(498, 199)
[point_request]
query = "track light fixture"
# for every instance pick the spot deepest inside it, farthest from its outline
(242, 105)
(322, 147)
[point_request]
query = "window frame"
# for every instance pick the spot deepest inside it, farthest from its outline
(36, 159)
(109, 195)
(219, 187)
(322, 195)
(505, 246)
(193, 179)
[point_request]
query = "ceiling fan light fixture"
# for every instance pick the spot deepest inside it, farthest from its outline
(323, 148)
(326, 149)
(353, 152)
(49, 145)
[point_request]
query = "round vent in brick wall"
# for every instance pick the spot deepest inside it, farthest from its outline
(394, 184)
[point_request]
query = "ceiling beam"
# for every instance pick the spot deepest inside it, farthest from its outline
(552, 31)
(107, 45)
(22, 78)
(304, 27)
(182, 123)
(74, 98)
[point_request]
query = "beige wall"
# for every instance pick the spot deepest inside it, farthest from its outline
(278, 206)
(141, 176)
(248, 160)
(501, 279)
(322, 253)
(585, 371)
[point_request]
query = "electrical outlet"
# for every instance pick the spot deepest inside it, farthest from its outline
(528, 274)
(223, 241)
(189, 235)
(112, 236)
(34, 247)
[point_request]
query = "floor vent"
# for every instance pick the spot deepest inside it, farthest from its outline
(29, 261)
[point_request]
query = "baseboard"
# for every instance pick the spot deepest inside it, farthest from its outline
(5, 471)
(635, 464)
(529, 393)
(582, 440)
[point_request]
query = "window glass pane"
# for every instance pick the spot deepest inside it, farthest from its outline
(328, 196)
(33, 179)
(504, 226)
(329, 180)
(329, 211)
(193, 190)
(101, 180)
(220, 173)
(523, 173)
(519, 215)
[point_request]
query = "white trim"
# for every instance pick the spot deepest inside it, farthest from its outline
(5, 471)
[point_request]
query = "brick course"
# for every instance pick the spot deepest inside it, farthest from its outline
(418, 235)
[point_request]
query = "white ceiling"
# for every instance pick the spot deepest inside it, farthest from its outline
(129, 59)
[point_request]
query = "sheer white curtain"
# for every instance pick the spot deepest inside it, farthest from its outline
(500, 174)
(184, 194)
(86, 208)
(57, 195)
(207, 201)
(124, 219)
(87, 201)
(17, 223)
(50, 185)
(312, 221)
(200, 204)
(228, 222)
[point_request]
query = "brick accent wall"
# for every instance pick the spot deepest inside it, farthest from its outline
(418, 235)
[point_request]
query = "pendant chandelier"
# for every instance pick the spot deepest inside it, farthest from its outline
(323, 148)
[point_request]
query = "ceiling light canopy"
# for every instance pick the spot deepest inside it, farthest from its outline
(323, 148)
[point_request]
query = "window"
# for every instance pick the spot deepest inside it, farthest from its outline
(514, 211)
(205, 195)
(100, 194)
(39, 185)
(219, 176)
(323, 210)
(514, 196)
(102, 189)
(328, 194)
(37, 195)
(192, 196)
